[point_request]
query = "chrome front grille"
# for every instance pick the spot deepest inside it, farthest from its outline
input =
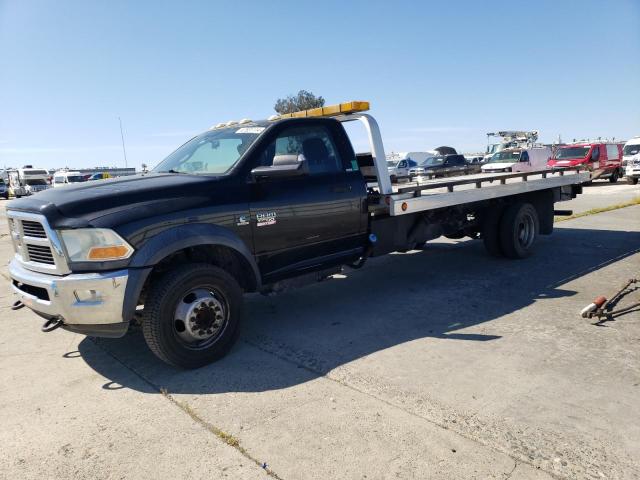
(33, 229)
(36, 245)
(41, 254)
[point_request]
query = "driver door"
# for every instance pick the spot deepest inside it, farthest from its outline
(300, 222)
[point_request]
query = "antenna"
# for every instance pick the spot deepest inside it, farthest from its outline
(124, 152)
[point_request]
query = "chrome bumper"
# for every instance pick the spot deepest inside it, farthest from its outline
(79, 299)
(632, 170)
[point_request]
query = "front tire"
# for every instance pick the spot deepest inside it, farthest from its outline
(519, 229)
(192, 314)
(614, 177)
(632, 180)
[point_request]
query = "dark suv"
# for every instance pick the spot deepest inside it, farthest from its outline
(443, 166)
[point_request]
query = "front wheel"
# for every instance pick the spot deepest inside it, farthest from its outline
(191, 315)
(632, 180)
(614, 177)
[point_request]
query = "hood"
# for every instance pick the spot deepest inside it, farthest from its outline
(141, 196)
(497, 165)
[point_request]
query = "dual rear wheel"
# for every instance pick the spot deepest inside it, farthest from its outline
(511, 231)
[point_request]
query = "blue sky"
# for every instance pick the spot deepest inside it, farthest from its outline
(435, 72)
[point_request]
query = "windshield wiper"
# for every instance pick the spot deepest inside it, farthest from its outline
(172, 171)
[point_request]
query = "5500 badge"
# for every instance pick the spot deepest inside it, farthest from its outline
(266, 218)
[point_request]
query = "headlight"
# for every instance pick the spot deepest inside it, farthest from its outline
(94, 245)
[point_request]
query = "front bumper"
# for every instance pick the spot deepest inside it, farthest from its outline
(80, 300)
(632, 171)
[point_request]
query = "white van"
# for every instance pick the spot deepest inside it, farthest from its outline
(518, 160)
(64, 177)
(631, 160)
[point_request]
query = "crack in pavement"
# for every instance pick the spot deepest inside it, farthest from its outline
(508, 475)
(188, 410)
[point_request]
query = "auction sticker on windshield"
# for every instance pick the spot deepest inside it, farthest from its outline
(250, 130)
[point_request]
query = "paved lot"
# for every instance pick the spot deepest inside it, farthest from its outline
(443, 363)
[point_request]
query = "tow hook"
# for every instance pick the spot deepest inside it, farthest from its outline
(17, 305)
(51, 324)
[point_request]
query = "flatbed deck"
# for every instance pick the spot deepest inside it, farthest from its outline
(426, 195)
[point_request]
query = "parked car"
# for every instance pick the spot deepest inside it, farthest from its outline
(99, 176)
(4, 190)
(475, 159)
(443, 166)
(631, 160)
(64, 177)
(400, 169)
(605, 158)
(518, 160)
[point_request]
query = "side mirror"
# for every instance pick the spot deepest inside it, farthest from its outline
(283, 166)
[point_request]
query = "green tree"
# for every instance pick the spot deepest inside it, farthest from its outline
(303, 100)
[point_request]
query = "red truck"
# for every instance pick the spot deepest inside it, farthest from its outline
(605, 159)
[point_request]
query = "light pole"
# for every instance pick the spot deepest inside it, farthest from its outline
(124, 152)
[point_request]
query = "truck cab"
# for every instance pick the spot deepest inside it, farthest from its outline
(631, 160)
(601, 157)
(30, 180)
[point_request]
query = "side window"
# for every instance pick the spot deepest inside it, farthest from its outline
(402, 164)
(314, 143)
(524, 157)
(595, 154)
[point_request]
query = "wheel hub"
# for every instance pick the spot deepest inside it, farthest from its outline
(199, 316)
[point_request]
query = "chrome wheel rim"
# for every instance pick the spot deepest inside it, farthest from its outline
(200, 317)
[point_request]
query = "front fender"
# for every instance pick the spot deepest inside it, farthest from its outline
(172, 240)
(180, 237)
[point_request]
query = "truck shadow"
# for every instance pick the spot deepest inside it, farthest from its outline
(303, 334)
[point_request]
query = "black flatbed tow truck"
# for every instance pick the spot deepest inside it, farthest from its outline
(244, 207)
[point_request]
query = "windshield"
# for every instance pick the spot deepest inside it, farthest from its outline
(493, 148)
(75, 178)
(631, 149)
(572, 152)
(505, 157)
(391, 163)
(35, 181)
(211, 153)
(432, 162)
